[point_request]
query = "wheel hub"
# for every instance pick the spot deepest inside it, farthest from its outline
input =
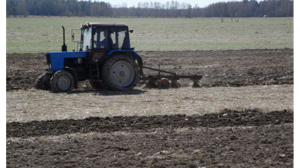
(63, 82)
(122, 73)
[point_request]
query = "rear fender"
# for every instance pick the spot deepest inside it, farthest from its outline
(135, 56)
(131, 52)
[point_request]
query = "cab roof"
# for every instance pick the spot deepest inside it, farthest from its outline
(107, 24)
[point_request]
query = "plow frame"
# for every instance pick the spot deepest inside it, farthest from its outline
(162, 81)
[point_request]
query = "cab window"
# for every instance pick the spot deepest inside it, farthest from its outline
(120, 38)
(102, 39)
(86, 41)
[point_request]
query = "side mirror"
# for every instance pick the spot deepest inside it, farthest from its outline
(131, 31)
(73, 36)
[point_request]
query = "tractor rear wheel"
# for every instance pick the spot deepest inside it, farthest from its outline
(43, 81)
(62, 81)
(120, 72)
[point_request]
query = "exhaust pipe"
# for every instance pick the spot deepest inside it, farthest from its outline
(63, 47)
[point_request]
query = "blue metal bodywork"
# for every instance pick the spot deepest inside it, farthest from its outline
(57, 59)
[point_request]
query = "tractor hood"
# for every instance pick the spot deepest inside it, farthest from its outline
(56, 60)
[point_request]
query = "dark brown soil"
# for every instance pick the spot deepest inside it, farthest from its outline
(229, 139)
(142, 123)
(249, 138)
(219, 68)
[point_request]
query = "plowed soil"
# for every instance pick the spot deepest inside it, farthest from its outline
(219, 68)
(230, 138)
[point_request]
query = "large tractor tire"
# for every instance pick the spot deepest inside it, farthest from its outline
(62, 81)
(43, 82)
(120, 72)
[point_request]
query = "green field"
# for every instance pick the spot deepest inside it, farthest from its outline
(43, 34)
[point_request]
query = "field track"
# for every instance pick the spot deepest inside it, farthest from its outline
(135, 123)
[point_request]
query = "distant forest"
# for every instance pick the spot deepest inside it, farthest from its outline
(173, 9)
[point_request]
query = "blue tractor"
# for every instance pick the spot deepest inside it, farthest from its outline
(104, 57)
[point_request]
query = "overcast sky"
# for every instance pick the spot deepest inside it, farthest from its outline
(201, 3)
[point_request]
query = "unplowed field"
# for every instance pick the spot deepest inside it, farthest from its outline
(225, 138)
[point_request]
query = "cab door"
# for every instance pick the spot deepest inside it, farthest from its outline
(101, 44)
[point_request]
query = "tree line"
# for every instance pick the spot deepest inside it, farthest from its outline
(245, 8)
(272, 8)
(58, 8)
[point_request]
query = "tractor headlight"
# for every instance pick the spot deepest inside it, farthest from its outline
(79, 60)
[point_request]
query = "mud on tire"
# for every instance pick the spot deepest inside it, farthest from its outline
(43, 81)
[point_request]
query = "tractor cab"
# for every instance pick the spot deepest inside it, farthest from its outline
(97, 37)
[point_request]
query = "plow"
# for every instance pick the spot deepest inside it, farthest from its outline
(163, 81)
(106, 59)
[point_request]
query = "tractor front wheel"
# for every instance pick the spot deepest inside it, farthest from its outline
(62, 81)
(120, 72)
